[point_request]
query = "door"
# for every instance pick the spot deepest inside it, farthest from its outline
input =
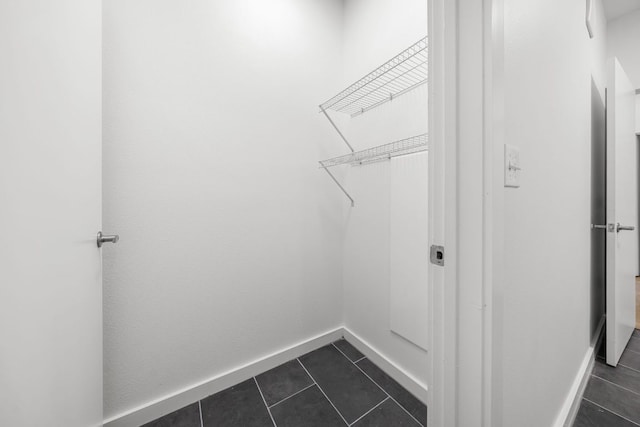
(50, 212)
(622, 211)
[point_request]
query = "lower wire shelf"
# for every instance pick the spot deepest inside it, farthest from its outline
(415, 144)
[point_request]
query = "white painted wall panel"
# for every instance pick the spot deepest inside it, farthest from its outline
(375, 31)
(544, 310)
(623, 39)
(408, 253)
(231, 237)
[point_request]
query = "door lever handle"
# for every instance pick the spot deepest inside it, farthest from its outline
(607, 227)
(620, 228)
(101, 238)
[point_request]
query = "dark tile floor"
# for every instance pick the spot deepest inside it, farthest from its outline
(332, 386)
(612, 396)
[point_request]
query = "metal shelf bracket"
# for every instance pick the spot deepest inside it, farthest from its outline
(338, 183)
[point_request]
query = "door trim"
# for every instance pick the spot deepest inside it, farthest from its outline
(466, 105)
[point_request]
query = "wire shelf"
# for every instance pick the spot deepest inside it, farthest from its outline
(401, 74)
(403, 147)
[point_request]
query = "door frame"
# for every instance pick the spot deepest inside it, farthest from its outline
(466, 110)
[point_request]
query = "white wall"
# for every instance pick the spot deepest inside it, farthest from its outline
(230, 235)
(546, 322)
(623, 41)
(375, 31)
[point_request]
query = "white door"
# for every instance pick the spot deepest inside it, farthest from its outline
(50, 212)
(622, 211)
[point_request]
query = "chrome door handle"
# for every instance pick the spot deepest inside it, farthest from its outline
(620, 228)
(607, 227)
(106, 239)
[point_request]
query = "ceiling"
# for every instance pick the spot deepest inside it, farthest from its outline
(616, 8)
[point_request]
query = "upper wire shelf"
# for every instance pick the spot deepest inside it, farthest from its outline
(404, 72)
(403, 147)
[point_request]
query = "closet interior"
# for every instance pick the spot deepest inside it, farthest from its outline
(264, 270)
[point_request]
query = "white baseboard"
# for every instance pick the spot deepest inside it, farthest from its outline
(572, 402)
(174, 401)
(406, 380)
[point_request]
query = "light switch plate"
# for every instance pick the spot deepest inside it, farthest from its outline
(511, 166)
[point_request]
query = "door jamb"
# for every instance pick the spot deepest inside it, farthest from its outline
(466, 110)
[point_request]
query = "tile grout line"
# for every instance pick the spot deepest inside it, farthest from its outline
(265, 402)
(383, 390)
(628, 367)
(294, 394)
(610, 411)
(356, 361)
(201, 418)
(621, 363)
(322, 391)
(616, 384)
(632, 351)
(369, 411)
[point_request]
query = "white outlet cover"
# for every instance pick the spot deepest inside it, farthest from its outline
(512, 169)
